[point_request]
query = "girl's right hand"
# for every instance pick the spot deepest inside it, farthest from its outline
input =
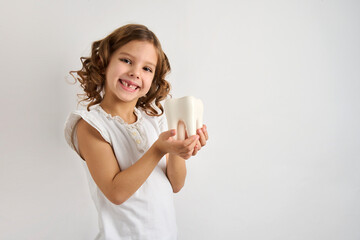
(183, 148)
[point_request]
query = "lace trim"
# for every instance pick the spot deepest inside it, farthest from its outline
(118, 118)
(135, 130)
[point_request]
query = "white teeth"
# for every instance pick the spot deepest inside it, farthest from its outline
(128, 85)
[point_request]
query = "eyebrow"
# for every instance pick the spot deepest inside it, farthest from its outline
(128, 54)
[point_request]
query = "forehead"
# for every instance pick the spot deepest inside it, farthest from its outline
(141, 50)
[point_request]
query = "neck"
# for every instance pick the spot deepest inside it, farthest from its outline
(121, 109)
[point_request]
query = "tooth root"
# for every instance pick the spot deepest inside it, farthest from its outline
(181, 131)
(184, 114)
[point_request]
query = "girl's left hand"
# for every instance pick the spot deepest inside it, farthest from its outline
(203, 137)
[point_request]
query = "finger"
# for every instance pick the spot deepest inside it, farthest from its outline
(193, 144)
(195, 151)
(202, 138)
(190, 147)
(198, 145)
(170, 133)
(191, 140)
(206, 132)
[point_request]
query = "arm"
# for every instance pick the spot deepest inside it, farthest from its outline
(118, 185)
(175, 171)
(176, 166)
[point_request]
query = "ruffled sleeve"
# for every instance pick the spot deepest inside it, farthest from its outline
(71, 123)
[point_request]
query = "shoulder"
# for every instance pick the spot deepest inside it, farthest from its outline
(86, 122)
(85, 129)
(88, 136)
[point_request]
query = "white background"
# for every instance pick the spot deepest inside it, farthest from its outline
(280, 82)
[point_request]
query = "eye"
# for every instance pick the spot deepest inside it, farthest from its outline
(148, 69)
(125, 60)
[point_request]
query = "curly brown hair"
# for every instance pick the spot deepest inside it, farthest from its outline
(92, 75)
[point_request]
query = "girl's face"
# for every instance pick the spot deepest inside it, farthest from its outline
(130, 71)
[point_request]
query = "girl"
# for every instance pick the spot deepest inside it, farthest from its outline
(132, 162)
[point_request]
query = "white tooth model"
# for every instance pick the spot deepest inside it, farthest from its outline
(184, 114)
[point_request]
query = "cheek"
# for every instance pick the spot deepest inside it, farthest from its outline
(149, 80)
(149, 84)
(114, 68)
(108, 75)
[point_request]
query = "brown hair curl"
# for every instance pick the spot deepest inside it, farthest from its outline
(92, 75)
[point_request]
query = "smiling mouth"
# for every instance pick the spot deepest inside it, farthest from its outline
(128, 84)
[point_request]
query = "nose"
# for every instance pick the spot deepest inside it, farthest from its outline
(134, 72)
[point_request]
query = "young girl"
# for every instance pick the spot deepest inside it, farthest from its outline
(132, 161)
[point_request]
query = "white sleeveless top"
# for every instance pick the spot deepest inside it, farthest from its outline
(149, 213)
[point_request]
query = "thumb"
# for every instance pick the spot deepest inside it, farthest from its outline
(170, 133)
